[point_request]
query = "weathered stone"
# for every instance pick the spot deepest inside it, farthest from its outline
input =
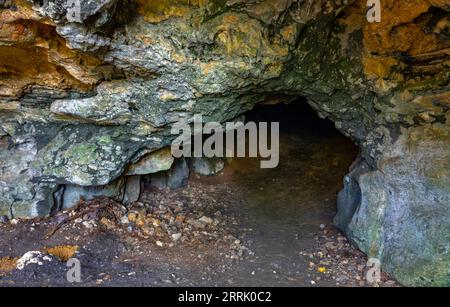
(176, 236)
(154, 162)
(207, 166)
(349, 198)
(133, 189)
(174, 178)
(73, 193)
(4, 219)
(404, 207)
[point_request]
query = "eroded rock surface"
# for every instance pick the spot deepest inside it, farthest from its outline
(84, 97)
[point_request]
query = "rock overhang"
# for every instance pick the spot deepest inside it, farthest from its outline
(82, 101)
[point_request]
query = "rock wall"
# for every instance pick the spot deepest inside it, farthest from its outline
(85, 103)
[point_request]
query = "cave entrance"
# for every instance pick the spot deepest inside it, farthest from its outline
(286, 212)
(279, 214)
(314, 157)
(290, 208)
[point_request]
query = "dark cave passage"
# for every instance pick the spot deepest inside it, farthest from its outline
(285, 206)
(314, 158)
(297, 117)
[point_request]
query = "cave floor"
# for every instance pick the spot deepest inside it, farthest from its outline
(244, 227)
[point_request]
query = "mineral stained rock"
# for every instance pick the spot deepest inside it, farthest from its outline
(88, 93)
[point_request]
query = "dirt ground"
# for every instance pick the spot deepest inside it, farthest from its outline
(244, 227)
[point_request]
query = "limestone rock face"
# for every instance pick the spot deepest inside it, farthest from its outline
(88, 93)
(399, 213)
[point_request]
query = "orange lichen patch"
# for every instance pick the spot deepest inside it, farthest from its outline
(379, 66)
(289, 33)
(23, 32)
(32, 53)
(63, 253)
(7, 264)
(178, 57)
(404, 29)
(155, 11)
(401, 29)
(23, 65)
(397, 32)
(24, 12)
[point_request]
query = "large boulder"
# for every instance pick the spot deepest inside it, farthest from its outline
(400, 212)
(207, 166)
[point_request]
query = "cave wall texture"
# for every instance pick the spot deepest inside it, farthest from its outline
(85, 107)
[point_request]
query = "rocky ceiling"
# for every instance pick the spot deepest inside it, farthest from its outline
(82, 101)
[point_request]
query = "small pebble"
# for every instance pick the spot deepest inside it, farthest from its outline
(176, 236)
(4, 219)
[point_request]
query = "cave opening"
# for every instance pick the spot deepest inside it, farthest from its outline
(314, 157)
(285, 210)
(302, 189)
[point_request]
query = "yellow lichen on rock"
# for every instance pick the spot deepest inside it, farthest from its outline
(155, 11)
(398, 30)
(7, 264)
(402, 33)
(63, 252)
(379, 66)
